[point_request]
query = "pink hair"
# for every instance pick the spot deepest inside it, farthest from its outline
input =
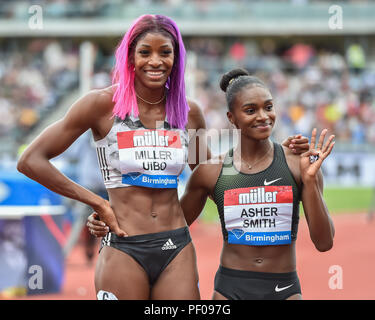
(123, 74)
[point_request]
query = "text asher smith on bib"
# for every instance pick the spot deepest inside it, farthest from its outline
(151, 158)
(259, 215)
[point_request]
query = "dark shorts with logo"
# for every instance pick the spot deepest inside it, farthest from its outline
(153, 251)
(250, 285)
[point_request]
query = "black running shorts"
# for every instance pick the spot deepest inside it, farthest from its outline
(153, 251)
(250, 285)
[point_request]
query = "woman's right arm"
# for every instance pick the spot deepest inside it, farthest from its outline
(200, 185)
(192, 201)
(54, 140)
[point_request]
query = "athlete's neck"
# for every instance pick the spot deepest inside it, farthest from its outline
(252, 150)
(151, 95)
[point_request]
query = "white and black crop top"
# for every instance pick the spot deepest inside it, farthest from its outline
(132, 155)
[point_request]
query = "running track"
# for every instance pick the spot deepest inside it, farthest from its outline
(353, 252)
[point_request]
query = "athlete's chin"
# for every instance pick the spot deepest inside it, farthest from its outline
(155, 84)
(262, 134)
(263, 137)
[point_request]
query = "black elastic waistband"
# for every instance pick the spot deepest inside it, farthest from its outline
(184, 231)
(257, 275)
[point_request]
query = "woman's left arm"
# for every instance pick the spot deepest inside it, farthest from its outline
(317, 215)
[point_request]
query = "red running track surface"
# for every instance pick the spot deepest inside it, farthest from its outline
(353, 253)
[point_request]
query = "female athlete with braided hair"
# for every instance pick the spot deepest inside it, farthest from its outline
(257, 189)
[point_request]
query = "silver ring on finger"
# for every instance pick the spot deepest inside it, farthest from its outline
(313, 158)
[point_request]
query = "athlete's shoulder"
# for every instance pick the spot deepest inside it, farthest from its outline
(216, 160)
(193, 105)
(104, 97)
(90, 109)
(195, 117)
(292, 161)
(96, 98)
(289, 155)
(100, 104)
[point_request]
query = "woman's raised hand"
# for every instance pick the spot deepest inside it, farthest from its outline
(312, 160)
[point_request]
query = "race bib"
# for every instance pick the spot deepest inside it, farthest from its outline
(259, 216)
(151, 158)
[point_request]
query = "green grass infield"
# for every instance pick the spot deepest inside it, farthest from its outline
(338, 200)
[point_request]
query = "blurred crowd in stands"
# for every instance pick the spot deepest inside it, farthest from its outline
(311, 87)
(34, 77)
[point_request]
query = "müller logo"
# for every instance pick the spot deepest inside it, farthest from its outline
(258, 195)
(149, 138)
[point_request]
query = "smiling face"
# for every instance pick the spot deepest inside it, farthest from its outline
(153, 61)
(253, 112)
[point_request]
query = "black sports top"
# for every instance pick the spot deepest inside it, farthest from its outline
(260, 208)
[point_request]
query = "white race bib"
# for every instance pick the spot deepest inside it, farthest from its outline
(259, 216)
(151, 158)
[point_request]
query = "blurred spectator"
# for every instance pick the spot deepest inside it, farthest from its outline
(356, 57)
(238, 52)
(300, 55)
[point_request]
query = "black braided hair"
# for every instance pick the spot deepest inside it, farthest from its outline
(233, 81)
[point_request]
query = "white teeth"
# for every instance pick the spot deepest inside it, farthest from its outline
(152, 73)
